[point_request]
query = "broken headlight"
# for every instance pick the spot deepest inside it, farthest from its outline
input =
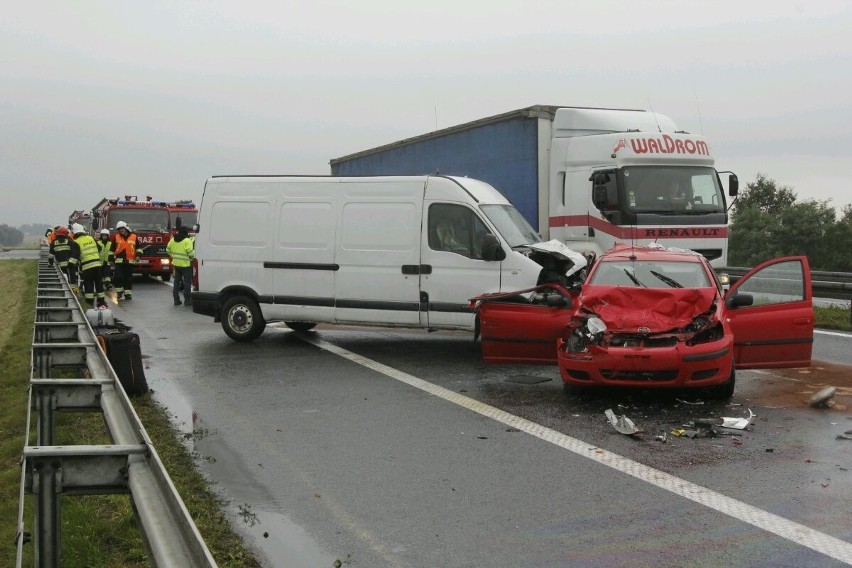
(584, 334)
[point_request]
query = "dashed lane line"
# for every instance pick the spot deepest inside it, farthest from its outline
(785, 528)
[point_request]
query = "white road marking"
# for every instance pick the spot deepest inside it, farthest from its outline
(834, 333)
(785, 528)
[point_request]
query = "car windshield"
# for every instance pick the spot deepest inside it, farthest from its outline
(650, 274)
(511, 224)
(141, 220)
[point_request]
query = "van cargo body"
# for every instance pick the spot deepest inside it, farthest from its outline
(394, 251)
(544, 159)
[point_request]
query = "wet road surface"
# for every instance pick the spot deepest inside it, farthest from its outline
(322, 459)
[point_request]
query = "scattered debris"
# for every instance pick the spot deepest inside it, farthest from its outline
(823, 398)
(847, 435)
(622, 423)
(662, 438)
(528, 379)
(696, 403)
(738, 423)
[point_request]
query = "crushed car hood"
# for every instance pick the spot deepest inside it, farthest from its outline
(654, 310)
(559, 250)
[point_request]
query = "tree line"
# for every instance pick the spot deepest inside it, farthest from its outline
(768, 221)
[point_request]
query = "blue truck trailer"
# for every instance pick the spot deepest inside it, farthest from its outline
(589, 177)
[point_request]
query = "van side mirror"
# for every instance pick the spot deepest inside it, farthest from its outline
(491, 249)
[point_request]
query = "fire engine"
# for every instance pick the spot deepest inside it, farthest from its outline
(82, 217)
(154, 223)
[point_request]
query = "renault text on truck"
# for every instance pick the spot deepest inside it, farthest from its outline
(154, 222)
(406, 251)
(588, 177)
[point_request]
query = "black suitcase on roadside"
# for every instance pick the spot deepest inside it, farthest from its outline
(125, 356)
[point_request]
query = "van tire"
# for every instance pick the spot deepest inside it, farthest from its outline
(241, 319)
(300, 325)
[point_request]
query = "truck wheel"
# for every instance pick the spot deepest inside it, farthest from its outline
(166, 277)
(300, 325)
(241, 319)
(726, 390)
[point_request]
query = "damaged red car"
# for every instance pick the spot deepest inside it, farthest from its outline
(656, 317)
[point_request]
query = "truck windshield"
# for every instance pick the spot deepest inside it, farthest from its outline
(141, 220)
(672, 189)
(511, 225)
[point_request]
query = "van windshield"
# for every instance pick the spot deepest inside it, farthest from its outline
(511, 225)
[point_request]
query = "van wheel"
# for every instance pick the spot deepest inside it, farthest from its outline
(300, 325)
(726, 390)
(241, 319)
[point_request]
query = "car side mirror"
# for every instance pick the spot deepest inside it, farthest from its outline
(491, 249)
(739, 300)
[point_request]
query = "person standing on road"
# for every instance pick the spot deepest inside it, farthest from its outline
(125, 260)
(89, 260)
(105, 248)
(60, 250)
(182, 250)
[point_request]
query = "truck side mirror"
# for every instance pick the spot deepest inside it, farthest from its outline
(491, 249)
(605, 197)
(733, 185)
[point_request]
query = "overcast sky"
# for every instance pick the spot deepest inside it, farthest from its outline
(111, 98)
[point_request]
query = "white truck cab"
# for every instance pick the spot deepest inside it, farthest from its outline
(406, 251)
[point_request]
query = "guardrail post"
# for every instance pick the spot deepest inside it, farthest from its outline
(45, 485)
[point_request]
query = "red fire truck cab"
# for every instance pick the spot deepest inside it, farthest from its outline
(154, 223)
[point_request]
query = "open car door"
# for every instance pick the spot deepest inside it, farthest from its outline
(522, 327)
(777, 329)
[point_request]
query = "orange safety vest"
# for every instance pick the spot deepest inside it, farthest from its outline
(125, 248)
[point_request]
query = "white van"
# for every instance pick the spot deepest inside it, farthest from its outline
(406, 251)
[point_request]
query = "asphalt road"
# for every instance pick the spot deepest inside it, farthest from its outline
(382, 447)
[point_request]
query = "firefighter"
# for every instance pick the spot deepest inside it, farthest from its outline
(60, 249)
(105, 248)
(90, 266)
(125, 260)
(182, 250)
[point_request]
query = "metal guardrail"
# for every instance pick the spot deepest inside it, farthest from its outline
(831, 285)
(63, 342)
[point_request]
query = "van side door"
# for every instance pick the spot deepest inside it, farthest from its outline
(377, 280)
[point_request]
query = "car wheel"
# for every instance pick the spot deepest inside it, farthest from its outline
(726, 390)
(300, 325)
(166, 277)
(241, 319)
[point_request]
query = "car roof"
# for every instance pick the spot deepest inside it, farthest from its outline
(657, 253)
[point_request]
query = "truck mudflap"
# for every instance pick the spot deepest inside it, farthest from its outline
(206, 304)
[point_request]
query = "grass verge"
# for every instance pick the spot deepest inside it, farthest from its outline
(833, 317)
(99, 530)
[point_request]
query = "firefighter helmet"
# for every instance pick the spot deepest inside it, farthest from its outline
(62, 231)
(105, 232)
(77, 228)
(122, 225)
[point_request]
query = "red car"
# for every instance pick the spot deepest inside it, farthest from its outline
(656, 317)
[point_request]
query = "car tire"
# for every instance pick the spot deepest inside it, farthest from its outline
(166, 277)
(726, 390)
(241, 318)
(300, 325)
